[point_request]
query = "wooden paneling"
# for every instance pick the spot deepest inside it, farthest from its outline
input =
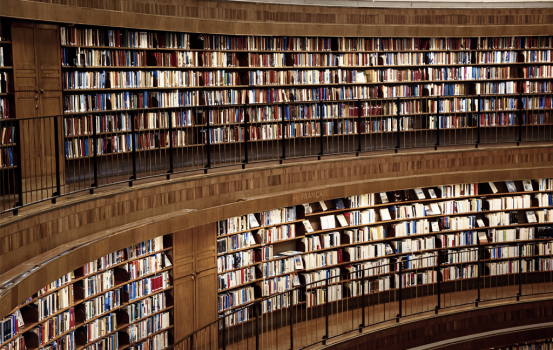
(185, 289)
(205, 247)
(26, 105)
(24, 59)
(51, 102)
(184, 257)
(222, 17)
(48, 48)
(206, 298)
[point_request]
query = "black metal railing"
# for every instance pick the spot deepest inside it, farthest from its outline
(312, 312)
(48, 157)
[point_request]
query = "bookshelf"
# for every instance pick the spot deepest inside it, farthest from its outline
(506, 227)
(122, 300)
(296, 96)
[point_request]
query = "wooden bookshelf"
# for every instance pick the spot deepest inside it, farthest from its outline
(77, 332)
(482, 194)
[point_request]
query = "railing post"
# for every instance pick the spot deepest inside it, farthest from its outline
(257, 315)
(321, 127)
(282, 130)
(359, 120)
(133, 150)
(477, 122)
(519, 272)
(397, 125)
(208, 141)
(224, 330)
(245, 140)
(171, 169)
(191, 342)
(291, 301)
(438, 126)
(362, 325)
(400, 288)
(19, 168)
(57, 150)
(479, 269)
(520, 105)
(327, 311)
(95, 152)
(438, 278)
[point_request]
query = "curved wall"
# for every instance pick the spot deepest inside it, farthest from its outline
(92, 226)
(242, 18)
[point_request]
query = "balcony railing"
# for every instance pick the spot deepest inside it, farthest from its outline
(49, 157)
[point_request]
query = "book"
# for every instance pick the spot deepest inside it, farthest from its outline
(384, 197)
(342, 220)
(527, 185)
(407, 195)
(328, 222)
(531, 217)
(435, 226)
(307, 225)
(385, 214)
(480, 223)
(323, 205)
(298, 263)
(253, 220)
(492, 187)
(432, 193)
(482, 237)
(435, 209)
(290, 253)
(339, 203)
(420, 193)
(511, 186)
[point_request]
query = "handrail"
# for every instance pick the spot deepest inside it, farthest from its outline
(31, 174)
(354, 313)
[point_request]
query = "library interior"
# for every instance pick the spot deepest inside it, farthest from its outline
(283, 175)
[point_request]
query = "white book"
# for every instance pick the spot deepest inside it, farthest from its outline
(480, 222)
(420, 194)
(435, 209)
(323, 205)
(385, 214)
(342, 220)
(253, 221)
(384, 197)
(492, 187)
(432, 193)
(531, 216)
(435, 227)
(527, 185)
(328, 222)
(307, 225)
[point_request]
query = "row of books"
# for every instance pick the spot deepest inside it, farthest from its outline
(151, 264)
(62, 281)
(55, 326)
(55, 301)
(104, 262)
(479, 43)
(10, 326)
(146, 307)
(131, 100)
(102, 304)
(153, 324)
(4, 108)
(80, 57)
(266, 43)
(123, 38)
(159, 341)
(147, 286)
(100, 327)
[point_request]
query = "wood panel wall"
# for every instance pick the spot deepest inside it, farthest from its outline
(92, 226)
(202, 16)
